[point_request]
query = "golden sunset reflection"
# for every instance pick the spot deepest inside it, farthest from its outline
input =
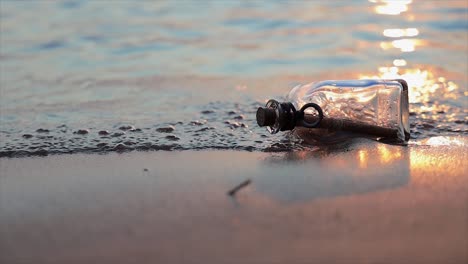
(400, 32)
(363, 157)
(428, 168)
(391, 7)
(442, 141)
(422, 83)
(399, 62)
(384, 155)
(405, 45)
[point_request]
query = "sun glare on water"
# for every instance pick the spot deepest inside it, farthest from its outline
(391, 7)
(423, 84)
(400, 32)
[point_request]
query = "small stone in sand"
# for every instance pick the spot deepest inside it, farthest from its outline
(172, 137)
(103, 133)
(196, 123)
(42, 130)
(126, 127)
(27, 136)
(167, 129)
(81, 132)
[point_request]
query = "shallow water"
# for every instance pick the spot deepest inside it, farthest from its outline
(78, 76)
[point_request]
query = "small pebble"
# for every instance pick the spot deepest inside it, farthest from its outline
(126, 128)
(167, 129)
(27, 136)
(81, 132)
(196, 123)
(172, 137)
(41, 130)
(103, 133)
(233, 125)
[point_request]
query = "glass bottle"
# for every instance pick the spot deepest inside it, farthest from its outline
(377, 108)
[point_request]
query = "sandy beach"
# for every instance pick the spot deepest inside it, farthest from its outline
(363, 203)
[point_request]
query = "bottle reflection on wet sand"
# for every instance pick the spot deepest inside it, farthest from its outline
(351, 168)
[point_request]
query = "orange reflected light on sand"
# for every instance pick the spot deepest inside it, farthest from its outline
(392, 7)
(386, 156)
(383, 155)
(363, 157)
(400, 32)
(422, 161)
(422, 83)
(427, 167)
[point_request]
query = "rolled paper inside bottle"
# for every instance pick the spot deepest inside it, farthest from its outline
(336, 124)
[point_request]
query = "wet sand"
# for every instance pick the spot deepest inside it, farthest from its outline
(361, 203)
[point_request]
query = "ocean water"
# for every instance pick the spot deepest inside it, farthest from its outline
(100, 76)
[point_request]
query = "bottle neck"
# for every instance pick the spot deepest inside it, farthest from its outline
(284, 116)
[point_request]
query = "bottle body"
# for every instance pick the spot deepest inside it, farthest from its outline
(376, 107)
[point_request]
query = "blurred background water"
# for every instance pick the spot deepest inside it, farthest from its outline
(97, 76)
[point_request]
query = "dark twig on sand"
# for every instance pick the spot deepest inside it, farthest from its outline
(233, 191)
